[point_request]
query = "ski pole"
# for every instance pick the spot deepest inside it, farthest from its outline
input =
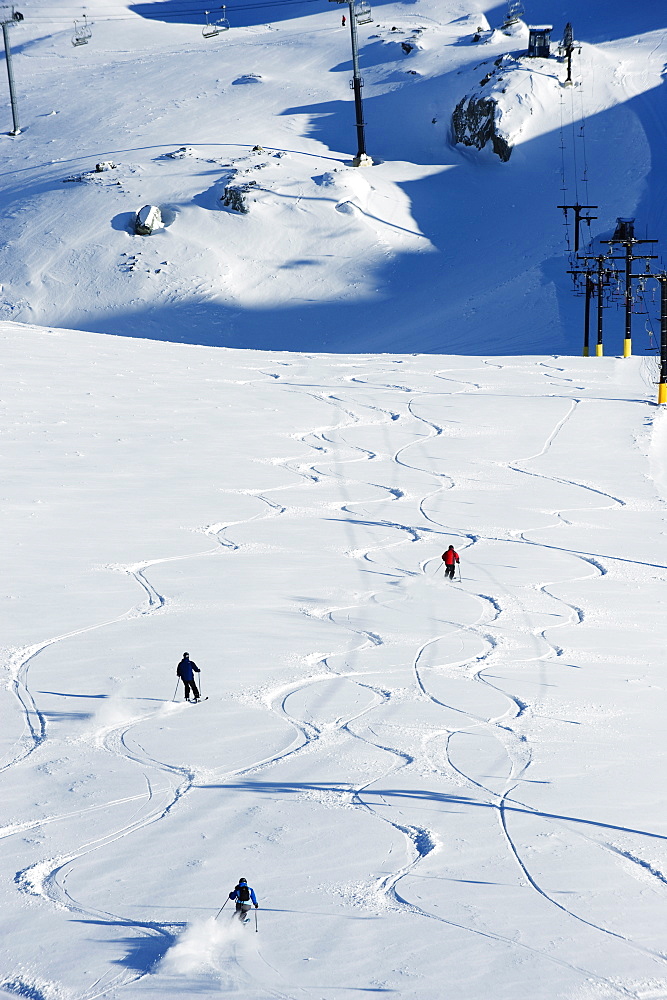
(460, 579)
(438, 567)
(255, 920)
(221, 908)
(175, 690)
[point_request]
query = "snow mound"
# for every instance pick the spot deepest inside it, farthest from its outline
(247, 78)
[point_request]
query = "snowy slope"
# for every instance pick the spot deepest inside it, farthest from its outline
(436, 248)
(437, 789)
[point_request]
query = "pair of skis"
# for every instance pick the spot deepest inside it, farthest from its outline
(194, 701)
(453, 578)
(246, 919)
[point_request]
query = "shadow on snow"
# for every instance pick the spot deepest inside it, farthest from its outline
(287, 788)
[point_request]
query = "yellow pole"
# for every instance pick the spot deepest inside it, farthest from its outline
(586, 351)
(598, 350)
(662, 384)
(627, 348)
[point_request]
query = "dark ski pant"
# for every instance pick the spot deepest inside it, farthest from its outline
(242, 909)
(450, 570)
(190, 685)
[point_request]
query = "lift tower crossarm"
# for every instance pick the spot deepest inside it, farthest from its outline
(578, 218)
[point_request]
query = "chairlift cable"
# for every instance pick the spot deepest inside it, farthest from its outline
(562, 176)
(582, 133)
(574, 147)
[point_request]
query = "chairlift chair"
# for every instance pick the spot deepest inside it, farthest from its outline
(83, 32)
(362, 12)
(210, 30)
(213, 28)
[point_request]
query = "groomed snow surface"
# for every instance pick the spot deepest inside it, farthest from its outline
(438, 790)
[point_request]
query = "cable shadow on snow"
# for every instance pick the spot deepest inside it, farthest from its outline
(241, 14)
(72, 694)
(418, 794)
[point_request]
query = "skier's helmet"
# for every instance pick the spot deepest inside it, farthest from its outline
(242, 880)
(186, 655)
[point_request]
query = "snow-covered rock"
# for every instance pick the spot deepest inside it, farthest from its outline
(149, 218)
(511, 92)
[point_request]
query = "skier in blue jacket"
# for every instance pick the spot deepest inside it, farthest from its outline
(186, 671)
(244, 896)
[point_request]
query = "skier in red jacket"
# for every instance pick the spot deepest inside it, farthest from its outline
(451, 561)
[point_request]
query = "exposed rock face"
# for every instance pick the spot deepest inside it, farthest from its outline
(474, 122)
(234, 196)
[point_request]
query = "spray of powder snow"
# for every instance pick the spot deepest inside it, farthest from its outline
(204, 946)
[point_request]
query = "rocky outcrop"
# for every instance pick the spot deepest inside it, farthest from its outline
(513, 96)
(235, 196)
(474, 123)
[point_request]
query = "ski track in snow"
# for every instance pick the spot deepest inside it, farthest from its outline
(514, 745)
(519, 756)
(48, 878)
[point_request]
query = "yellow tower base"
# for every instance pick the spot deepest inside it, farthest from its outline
(598, 350)
(662, 392)
(627, 348)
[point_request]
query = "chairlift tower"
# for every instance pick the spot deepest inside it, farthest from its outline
(565, 49)
(595, 283)
(629, 243)
(7, 21)
(662, 385)
(589, 292)
(361, 13)
(661, 278)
